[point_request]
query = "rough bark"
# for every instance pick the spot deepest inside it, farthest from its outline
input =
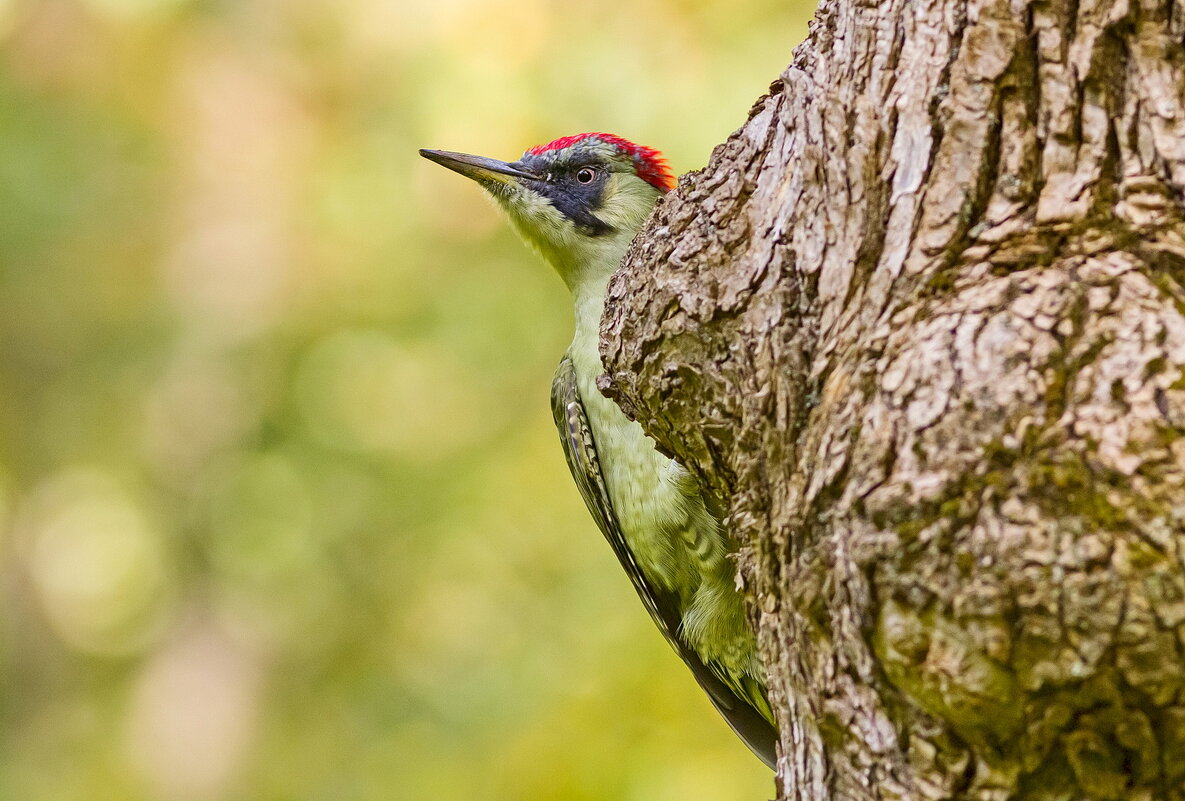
(921, 321)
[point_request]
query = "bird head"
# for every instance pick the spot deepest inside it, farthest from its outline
(578, 201)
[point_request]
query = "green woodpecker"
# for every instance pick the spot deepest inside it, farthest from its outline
(578, 202)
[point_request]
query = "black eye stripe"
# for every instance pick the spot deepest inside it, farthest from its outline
(577, 201)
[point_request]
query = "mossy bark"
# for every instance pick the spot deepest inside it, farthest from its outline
(921, 322)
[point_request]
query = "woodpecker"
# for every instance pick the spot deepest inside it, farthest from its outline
(578, 202)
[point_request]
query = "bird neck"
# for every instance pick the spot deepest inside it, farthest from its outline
(588, 300)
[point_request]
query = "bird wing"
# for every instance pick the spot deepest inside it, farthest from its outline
(580, 449)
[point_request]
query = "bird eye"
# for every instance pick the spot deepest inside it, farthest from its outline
(586, 175)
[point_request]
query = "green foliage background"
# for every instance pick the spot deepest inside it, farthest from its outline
(282, 513)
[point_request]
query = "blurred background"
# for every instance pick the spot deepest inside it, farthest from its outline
(282, 511)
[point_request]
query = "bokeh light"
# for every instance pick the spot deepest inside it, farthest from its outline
(282, 511)
(95, 563)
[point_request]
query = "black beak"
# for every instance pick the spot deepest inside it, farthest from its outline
(478, 168)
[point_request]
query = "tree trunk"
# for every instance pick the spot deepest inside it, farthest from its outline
(921, 321)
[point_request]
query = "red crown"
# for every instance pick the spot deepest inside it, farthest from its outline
(649, 164)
